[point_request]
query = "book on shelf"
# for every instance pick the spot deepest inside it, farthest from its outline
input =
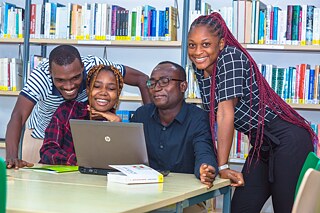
(134, 174)
(55, 169)
(10, 74)
(125, 115)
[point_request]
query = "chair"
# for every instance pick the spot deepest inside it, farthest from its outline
(31, 147)
(312, 161)
(307, 200)
(3, 186)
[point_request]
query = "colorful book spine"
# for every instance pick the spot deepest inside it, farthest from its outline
(309, 24)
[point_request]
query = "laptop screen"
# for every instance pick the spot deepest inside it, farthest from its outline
(100, 143)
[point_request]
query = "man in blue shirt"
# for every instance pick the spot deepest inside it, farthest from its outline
(177, 134)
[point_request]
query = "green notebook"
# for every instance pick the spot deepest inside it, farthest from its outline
(53, 168)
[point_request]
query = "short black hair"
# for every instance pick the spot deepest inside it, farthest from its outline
(64, 55)
(181, 70)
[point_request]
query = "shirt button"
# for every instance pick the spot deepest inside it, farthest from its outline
(161, 146)
(164, 128)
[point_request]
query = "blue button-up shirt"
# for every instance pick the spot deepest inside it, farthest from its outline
(183, 145)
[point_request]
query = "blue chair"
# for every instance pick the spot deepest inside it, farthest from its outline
(3, 186)
(312, 161)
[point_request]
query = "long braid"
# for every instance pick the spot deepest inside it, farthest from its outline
(268, 97)
(92, 76)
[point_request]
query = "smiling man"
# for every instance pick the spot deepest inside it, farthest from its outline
(50, 84)
(177, 134)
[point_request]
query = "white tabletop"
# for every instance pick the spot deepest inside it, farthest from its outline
(30, 191)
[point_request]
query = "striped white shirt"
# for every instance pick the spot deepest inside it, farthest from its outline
(41, 91)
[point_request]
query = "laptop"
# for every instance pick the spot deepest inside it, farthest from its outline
(99, 143)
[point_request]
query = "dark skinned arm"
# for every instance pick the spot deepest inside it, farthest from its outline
(225, 120)
(134, 77)
(20, 114)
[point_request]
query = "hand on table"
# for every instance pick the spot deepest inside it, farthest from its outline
(235, 177)
(207, 174)
(15, 163)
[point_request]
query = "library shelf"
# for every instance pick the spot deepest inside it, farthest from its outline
(138, 98)
(237, 160)
(280, 47)
(106, 42)
(11, 40)
(188, 100)
(9, 93)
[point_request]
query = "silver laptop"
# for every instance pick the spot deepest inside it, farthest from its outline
(99, 143)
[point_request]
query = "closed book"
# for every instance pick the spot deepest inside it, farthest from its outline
(53, 168)
(295, 24)
(134, 174)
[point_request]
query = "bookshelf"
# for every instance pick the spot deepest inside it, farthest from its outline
(283, 55)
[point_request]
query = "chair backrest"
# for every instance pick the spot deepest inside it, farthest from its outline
(3, 186)
(308, 196)
(312, 161)
(31, 147)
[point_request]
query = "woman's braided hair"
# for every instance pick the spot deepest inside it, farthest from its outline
(92, 76)
(268, 97)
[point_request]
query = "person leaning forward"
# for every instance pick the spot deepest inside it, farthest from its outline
(54, 81)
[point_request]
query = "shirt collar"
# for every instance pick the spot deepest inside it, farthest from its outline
(56, 92)
(180, 117)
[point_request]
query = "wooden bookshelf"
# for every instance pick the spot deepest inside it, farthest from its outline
(237, 160)
(271, 47)
(188, 100)
(9, 93)
(275, 47)
(106, 43)
(11, 40)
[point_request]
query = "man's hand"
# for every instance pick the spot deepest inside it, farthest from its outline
(15, 163)
(235, 177)
(207, 174)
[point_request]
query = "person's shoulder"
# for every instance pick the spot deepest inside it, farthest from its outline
(232, 52)
(198, 117)
(195, 110)
(71, 104)
(42, 67)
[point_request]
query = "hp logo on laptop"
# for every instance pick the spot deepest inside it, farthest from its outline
(107, 139)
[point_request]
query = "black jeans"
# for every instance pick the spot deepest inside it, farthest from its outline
(276, 171)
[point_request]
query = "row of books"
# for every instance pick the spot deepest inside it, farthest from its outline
(102, 21)
(11, 20)
(252, 21)
(241, 145)
(10, 74)
(295, 84)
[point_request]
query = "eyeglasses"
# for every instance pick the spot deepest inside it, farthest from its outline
(163, 82)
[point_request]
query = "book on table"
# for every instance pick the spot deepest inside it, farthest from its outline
(134, 174)
(53, 168)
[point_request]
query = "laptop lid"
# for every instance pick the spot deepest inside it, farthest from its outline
(99, 143)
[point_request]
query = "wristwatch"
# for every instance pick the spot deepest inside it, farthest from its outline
(224, 166)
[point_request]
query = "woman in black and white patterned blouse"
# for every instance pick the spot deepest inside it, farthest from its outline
(238, 97)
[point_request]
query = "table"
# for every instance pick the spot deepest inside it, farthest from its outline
(31, 191)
